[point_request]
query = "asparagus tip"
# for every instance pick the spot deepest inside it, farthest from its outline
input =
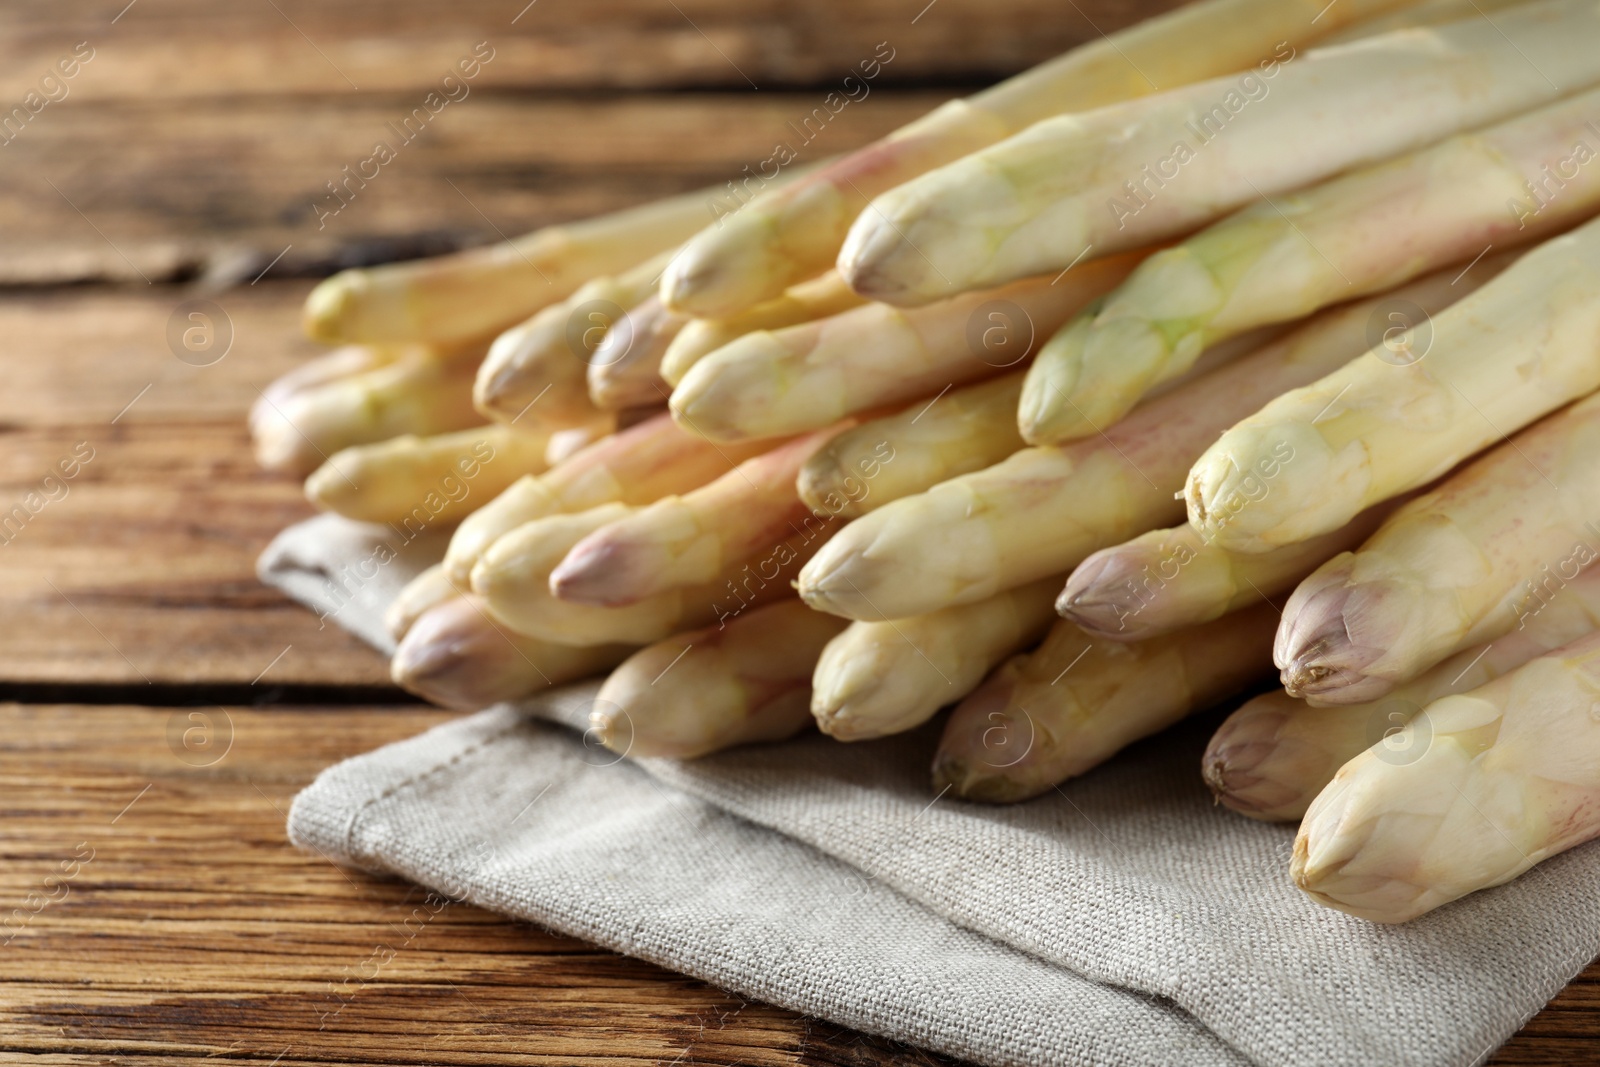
(1321, 660)
(1232, 763)
(440, 660)
(1100, 615)
(843, 721)
(872, 259)
(612, 726)
(329, 304)
(688, 281)
(986, 785)
(323, 486)
(1042, 418)
(601, 571)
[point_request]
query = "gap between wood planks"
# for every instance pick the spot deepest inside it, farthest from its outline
(203, 694)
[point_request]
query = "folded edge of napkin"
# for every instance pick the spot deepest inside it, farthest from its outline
(522, 818)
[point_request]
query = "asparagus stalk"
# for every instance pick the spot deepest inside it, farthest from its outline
(420, 393)
(699, 692)
(1272, 757)
(1363, 232)
(564, 444)
(880, 678)
(343, 362)
(539, 370)
(688, 540)
(513, 577)
(636, 466)
(1509, 776)
(1426, 13)
(954, 433)
(801, 378)
(484, 290)
(884, 459)
(817, 298)
(1043, 510)
(782, 236)
(1397, 418)
(427, 590)
(445, 477)
(625, 369)
(1131, 174)
(270, 430)
(1168, 579)
(456, 656)
(1071, 705)
(1469, 561)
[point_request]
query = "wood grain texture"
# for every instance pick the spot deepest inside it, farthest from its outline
(195, 930)
(143, 572)
(188, 927)
(121, 191)
(105, 182)
(141, 568)
(310, 46)
(193, 145)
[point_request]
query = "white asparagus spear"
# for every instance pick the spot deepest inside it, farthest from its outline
(273, 436)
(880, 678)
(1272, 757)
(688, 540)
(1426, 13)
(427, 590)
(455, 655)
(776, 383)
(884, 459)
(635, 466)
(564, 444)
(1474, 558)
(447, 475)
(625, 368)
(1133, 174)
(1363, 232)
(1509, 776)
(343, 362)
(513, 577)
(538, 371)
(1168, 579)
(1044, 509)
(483, 290)
(806, 301)
(1409, 410)
(699, 692)
(955, 433)
(420, 392)
(782, 236)
(1077, 700)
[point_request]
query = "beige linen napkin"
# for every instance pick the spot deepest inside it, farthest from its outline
(1120, 920)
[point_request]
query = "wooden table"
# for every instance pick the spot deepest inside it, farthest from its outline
(160, 911)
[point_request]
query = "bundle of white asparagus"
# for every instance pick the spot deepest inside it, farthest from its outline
(1320, 279)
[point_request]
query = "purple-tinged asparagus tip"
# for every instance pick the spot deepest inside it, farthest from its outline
(1238, 762)
(445, 658)
(596, 572)
(1320, 659)
(983, 754)
(1098, 593)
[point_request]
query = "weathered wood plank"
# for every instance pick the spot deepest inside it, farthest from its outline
(88, 355)
(193, 928)
(141, 566)
(141, 569)
(196, 141)
(193, 48)
(122, 191)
